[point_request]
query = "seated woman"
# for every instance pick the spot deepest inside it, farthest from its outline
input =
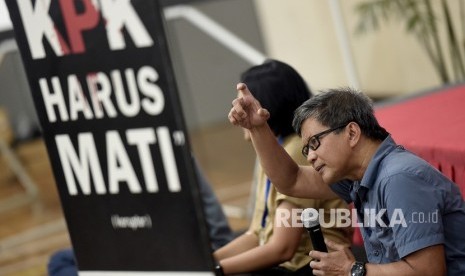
(274, 245)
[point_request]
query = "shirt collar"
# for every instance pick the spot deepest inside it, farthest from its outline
(368, 179)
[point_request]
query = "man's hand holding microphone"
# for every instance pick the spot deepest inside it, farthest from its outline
(338, 262)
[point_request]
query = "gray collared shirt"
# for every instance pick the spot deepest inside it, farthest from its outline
(405, 205)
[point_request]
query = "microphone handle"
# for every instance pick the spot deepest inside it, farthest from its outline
(316, 236)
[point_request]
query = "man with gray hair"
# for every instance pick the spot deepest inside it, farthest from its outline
(353, 157)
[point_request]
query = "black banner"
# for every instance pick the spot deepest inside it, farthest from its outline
(104, 90)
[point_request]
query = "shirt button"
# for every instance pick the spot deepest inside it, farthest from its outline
(376, 253)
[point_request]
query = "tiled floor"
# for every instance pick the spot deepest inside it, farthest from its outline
(29, 233)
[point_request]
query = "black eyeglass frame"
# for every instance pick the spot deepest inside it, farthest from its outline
(316, 138)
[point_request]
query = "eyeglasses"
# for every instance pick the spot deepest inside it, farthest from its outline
(314, 141)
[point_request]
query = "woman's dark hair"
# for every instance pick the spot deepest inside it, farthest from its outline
(280, 89)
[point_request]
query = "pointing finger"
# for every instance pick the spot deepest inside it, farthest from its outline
(242, 89)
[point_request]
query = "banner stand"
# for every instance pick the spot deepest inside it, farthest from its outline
(104, 91)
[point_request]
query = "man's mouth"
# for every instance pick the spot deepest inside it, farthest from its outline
(319, 168)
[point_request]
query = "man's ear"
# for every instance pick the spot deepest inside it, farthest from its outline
(354, 132)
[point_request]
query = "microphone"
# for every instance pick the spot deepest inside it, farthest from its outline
(311, 222)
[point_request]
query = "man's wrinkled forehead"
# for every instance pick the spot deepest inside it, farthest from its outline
(310, 127)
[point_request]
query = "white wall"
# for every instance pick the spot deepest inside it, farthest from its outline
(302, 33)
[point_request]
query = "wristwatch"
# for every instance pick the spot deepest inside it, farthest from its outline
(358, 269)
(219, 270)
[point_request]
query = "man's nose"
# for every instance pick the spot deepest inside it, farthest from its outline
(311, 156)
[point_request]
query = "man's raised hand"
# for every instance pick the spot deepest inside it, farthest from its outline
(246, 111)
